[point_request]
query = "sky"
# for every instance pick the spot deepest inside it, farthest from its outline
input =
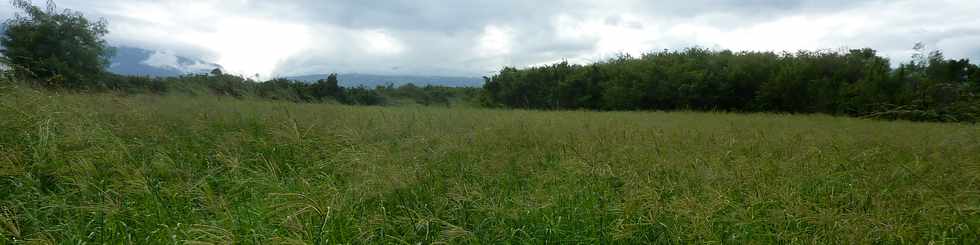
(479, 37)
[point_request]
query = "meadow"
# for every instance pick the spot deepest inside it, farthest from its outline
(147, 169)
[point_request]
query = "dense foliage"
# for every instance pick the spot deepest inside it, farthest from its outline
(59, 48)
(854, 82)
(324, 90)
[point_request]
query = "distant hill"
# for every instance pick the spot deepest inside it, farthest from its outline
(367, 80)
(142, 62)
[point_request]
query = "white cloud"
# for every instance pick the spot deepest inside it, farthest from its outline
(209, 30)
(891, 27)
(251, 46)
(162, 59)
(495, 41)
(169, 60)
(611, 35)
(377, 42)
(478, 36)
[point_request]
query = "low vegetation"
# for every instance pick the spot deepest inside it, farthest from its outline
(88, 157)
(77, 168)
(322, 91)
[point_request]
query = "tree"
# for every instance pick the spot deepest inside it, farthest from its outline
(855, 82)
(60, 48)
(329, 87)
(361, 96)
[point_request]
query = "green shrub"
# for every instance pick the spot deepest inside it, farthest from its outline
(56, 48)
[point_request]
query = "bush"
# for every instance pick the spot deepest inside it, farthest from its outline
(58, 48)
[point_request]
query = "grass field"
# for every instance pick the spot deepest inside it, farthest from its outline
(148, 169)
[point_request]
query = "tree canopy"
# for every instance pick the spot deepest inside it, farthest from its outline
(59, 48)
(855, 82)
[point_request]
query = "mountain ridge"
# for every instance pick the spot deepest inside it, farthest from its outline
(135, 61)
(143, 62)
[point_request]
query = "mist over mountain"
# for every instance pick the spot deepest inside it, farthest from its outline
(142, 62)
(368, 80)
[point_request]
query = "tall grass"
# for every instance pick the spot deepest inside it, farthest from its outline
(150, 169)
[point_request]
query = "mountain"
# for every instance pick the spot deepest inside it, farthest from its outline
(368, 80)
(142, 62)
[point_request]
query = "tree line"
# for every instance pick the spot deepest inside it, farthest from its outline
(856, 82)
(323, 90)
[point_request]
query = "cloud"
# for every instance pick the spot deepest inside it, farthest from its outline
(377, 42)
(496, 41)
(162, 59)
(478, 37)
(170, 61)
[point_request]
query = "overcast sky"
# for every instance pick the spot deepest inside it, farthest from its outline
(477, 37)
